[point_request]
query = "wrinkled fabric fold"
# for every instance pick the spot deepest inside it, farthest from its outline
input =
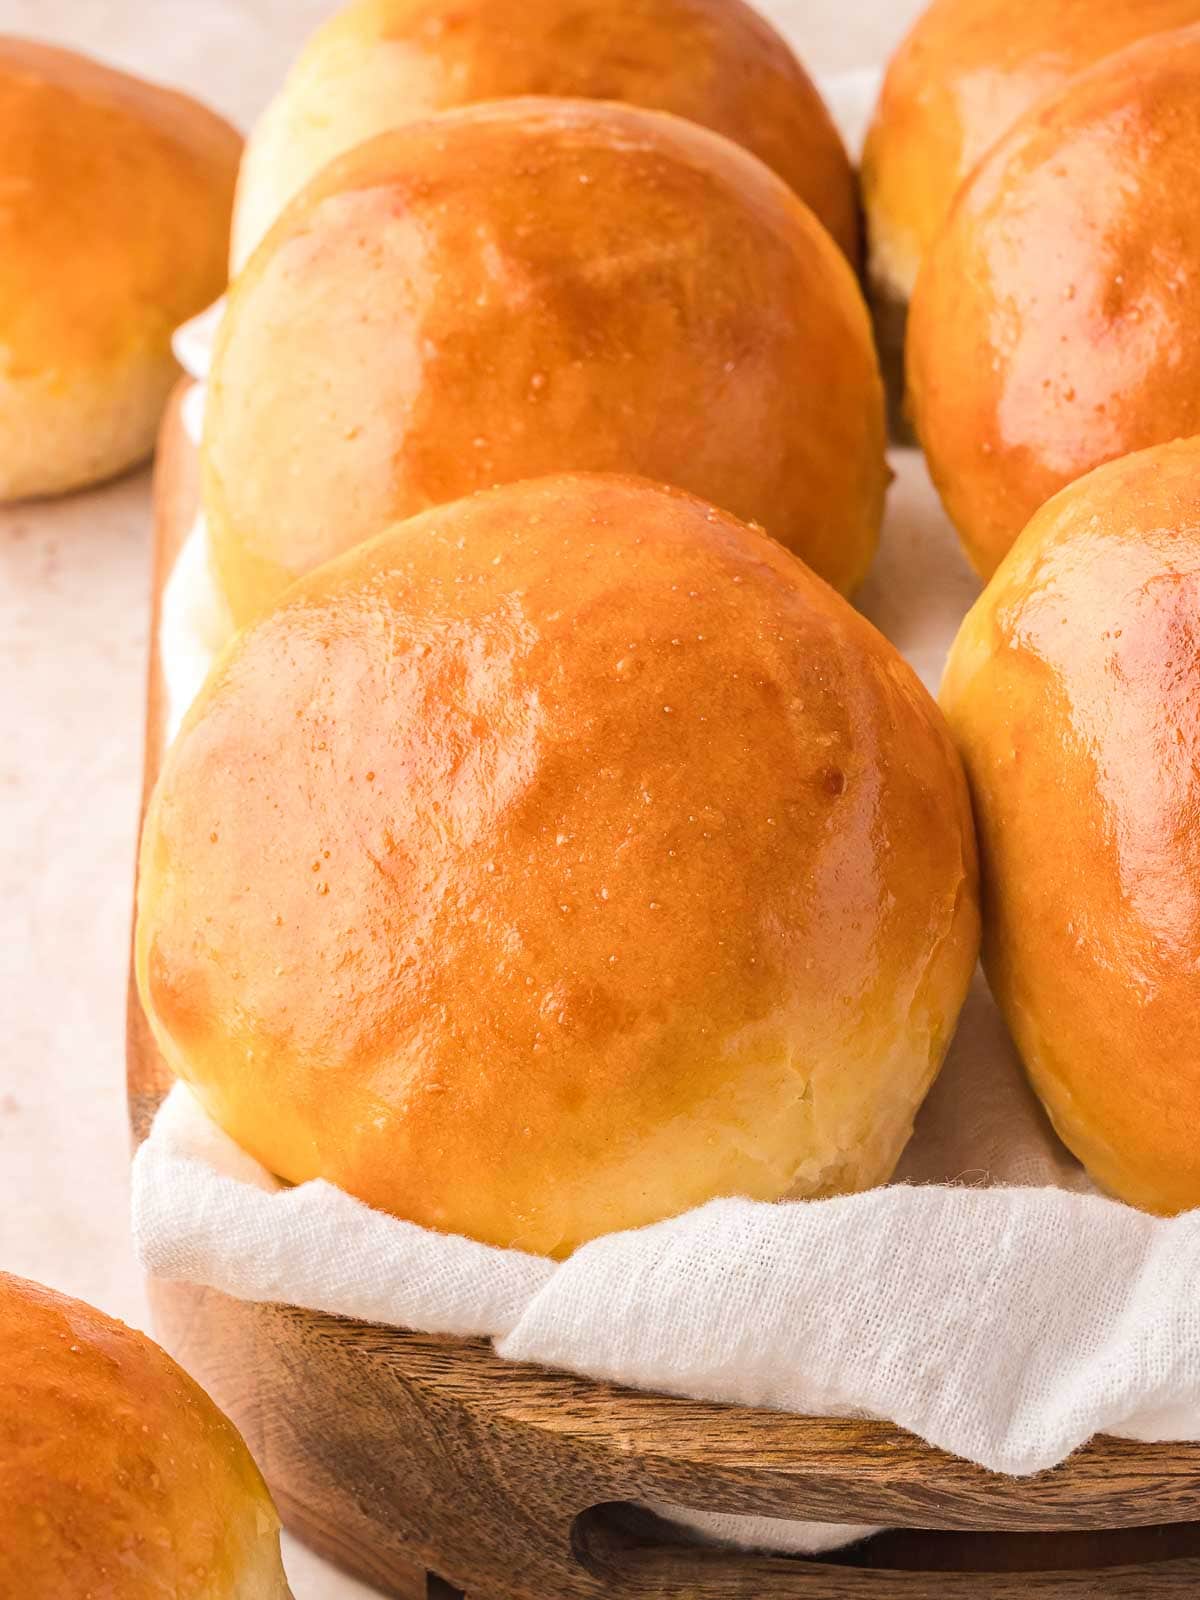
(1006, 1325)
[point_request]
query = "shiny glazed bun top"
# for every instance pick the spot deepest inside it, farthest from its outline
(1074, 691)
(530, 287)
(555, 862)
(114, 228)
(1056, 323)
(964, 74)
(119, 1478)
(381, 63)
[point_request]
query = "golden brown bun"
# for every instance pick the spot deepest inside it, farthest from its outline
(114, 228)
(1056, 323)
(529, 287)
(967, 70)
(381, 63)
(555, 862)
(119, 1478)
(1074, 692)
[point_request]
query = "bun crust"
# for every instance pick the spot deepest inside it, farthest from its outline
(964, 74)
(1074, 692)
(118, 1475)
(1056, 323)
(114, 228)
(557, 861)
(531, 287)
(381, 63)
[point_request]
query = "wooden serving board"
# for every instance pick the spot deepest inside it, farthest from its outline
(430, 1467)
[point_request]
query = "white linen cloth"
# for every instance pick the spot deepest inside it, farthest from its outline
(988, 1300)
(1004, 1324)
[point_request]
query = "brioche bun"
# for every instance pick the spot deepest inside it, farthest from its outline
(114, 228)
(530, 287)
(965, 72)
(555, 862)
(118, 1475)
(1056, 322)
(1074, 692)
(381, 63)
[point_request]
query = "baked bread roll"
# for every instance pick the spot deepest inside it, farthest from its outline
(114, 228)
(528, 287)
(555, 862)
(118, 1475)
(381, 63)
(1074, 692)
(1056, 322)
(965, 72)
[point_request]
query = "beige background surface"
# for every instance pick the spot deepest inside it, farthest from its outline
(73, 634)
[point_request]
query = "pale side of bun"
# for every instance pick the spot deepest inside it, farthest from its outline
(555, 862)
(1074, 692)
(114, 228)
(380, 63)
(530, 287)
(963, 75)
(118, 1475)
(1056, 322)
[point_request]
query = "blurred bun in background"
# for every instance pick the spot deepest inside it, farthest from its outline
(380, 63)
(114, 229)
(965, 72)
(1056, 321)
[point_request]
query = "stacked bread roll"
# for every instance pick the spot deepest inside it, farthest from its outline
(549, 808)
(1074, 692)
(965, 73)
(1054, 322)
(553, 849)
(533, 286)
(1027, 184)
(1030, 179)
(554, 862)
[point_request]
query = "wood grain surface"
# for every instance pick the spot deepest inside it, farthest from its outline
(432, 1468)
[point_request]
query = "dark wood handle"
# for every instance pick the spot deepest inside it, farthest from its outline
(627, 1554)
(731, 1578)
